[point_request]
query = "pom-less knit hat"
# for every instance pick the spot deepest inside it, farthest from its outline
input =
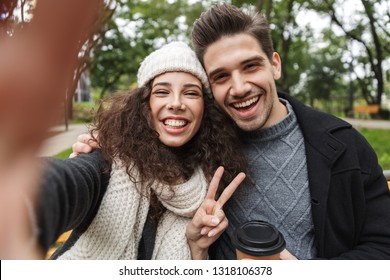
(176, 56)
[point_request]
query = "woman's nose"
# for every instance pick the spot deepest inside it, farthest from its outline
(176, 104)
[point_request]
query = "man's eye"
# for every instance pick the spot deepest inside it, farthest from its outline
(251, 66)
(219, 78)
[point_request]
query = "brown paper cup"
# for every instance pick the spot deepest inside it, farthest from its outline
(244, 256)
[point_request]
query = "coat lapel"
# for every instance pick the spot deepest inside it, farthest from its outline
(322, 151)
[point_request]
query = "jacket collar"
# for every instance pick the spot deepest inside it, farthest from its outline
(322, 151)
(317, 128)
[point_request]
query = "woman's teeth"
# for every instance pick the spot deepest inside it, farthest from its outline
(175, 123)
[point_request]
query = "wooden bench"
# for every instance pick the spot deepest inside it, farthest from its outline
(366, 110)
(58, 243)
(387, 175)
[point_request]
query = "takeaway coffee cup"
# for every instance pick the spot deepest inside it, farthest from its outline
(258, 240)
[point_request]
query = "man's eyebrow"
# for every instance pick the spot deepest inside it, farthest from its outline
(259, 58)
(253, 58)
(216, 71)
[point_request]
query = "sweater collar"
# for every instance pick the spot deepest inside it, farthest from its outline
(275, 131)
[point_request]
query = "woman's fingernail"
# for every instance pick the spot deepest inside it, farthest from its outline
(215, 221)
(211, 233)
(203, 231)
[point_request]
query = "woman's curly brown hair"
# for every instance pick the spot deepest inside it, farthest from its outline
(123, 123)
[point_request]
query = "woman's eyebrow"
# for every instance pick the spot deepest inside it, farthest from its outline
(188, 85)
(161, 84)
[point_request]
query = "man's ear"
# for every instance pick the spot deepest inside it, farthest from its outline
(277, 66)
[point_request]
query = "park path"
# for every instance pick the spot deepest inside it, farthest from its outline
(376, 124)
(62, 139)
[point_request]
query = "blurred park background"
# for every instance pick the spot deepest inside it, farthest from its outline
(335, 53)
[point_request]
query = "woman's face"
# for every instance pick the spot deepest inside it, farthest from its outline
(177, 106)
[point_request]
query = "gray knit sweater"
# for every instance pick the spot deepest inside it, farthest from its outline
(280, 193)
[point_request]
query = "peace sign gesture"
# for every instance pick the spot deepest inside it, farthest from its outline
(209, 220)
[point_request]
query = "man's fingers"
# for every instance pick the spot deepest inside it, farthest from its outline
(230, 189)
(213, 187)
(72, 155)
(87, 139)
(82, 148)
(286, 255)
(83, 138)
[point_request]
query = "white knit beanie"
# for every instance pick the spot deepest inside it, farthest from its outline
(176, 56)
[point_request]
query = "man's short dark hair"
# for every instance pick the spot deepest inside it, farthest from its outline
(227, 20)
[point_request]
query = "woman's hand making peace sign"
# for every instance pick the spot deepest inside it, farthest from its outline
(210, 221)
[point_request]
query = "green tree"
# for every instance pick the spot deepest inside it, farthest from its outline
(137, 28)
(325, 82)
(368, 28)
(113, 59)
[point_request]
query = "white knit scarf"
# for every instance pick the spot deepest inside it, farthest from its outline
(117, 228)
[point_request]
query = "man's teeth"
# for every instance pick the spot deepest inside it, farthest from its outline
(175, 123)
(246, 103)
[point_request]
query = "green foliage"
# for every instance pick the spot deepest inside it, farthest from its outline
(379, 139)
(64, 154)
(367, 30)
(83, 112)
(325, 76)
(289, 41)
(315, 65)
(114, 59)
(384, 114)
(137, 28)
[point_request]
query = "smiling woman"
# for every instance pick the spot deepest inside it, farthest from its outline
(176, 105)
(160, 145)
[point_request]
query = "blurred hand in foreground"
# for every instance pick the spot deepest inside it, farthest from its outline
(37, 64)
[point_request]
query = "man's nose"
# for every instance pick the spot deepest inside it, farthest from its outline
(239, 85)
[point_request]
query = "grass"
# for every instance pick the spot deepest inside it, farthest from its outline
(64, 154)
(379, 139)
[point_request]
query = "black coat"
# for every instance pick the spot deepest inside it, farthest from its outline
(72, 191)
(349, 193)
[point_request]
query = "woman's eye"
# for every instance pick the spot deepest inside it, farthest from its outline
(193, 93)
(160, 92)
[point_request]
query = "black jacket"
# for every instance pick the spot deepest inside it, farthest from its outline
(72, 191)
(349, 193)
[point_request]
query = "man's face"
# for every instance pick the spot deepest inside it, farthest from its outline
(243, 81)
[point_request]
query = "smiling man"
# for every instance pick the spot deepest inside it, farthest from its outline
(315, 177)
